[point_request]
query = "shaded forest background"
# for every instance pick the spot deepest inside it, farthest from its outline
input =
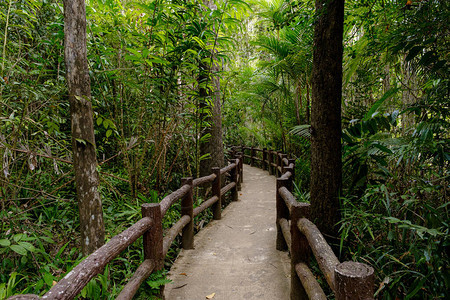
(150, 64)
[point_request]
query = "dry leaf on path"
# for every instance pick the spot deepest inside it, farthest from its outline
(183, 274)
(210, 296)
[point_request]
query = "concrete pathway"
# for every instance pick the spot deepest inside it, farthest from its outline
(235, 258)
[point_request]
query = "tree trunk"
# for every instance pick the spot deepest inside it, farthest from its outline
(214, 146)
(326, 166)
(298, 102)
(307, 102)
(83, 141)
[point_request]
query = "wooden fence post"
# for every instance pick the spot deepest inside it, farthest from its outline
(290, 182)
(153, 238)
(238, 172)
(282, 213)
(292, 161)
(264, 157)
(233, 151)
(354, 281)
(278, 160)
(187, 208)
(252, 158)
(216, 185)
(270, 162)
(283, 166)
(234, 178)
(241, 166)
(300, 250)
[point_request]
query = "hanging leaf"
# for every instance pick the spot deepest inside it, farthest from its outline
(379, 102)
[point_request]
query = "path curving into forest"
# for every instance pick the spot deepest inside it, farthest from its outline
(235, 258)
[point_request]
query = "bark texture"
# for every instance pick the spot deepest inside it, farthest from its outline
(83, 140)
(326, 167)
(214, 146)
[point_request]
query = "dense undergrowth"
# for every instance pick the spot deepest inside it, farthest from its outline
(145, 60)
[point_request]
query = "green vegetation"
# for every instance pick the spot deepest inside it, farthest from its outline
(148, 62)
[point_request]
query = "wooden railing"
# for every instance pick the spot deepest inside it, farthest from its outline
(297, 234)
(155, 245)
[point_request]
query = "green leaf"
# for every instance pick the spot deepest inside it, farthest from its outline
(378, 103)
(27, 246)
(81, 141)
(5, 242)
(19, 249)
(47, 239)
(135, 52)
(199, 42)
(205, 156)
(48, 278)
(108, 133)
(382, 148)
(99, 120)
(84, 292)
(18, 237)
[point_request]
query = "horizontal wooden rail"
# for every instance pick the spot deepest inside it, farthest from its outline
(309, 282)
(288, 198)
(322, 251)
(199, 209)
(75, 280)
(227, 188)
(173, 232)
(142, 273)
(170, 199)
(285, 228)
(227, 168)
(203, 180)
(286, 175)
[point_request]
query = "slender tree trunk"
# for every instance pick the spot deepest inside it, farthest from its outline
(326, 165)
(215, 144)
(83, 141)
(298, 102)
(307, 115)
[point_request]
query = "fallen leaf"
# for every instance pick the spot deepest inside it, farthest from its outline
(183, 274)
(210, 296)
(179, 287)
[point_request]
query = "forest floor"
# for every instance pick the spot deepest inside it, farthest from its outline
(235, 258)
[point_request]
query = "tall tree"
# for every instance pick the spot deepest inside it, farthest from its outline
(214, 144)
(326, 161)
(83, 140)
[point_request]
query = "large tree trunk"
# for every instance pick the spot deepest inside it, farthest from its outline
(83, 141)
(326, 166)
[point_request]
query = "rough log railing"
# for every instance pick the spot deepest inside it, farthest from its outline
(155, 244)
(348, 280)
